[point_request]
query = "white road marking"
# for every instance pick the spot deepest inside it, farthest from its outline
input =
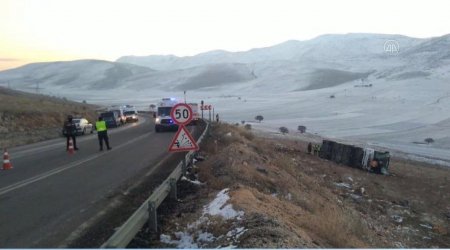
(47, 174)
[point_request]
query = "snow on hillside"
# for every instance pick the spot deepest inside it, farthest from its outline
(84, 74)
(340, 86)
(340, 49)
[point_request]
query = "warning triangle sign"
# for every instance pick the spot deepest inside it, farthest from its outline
(183, 141)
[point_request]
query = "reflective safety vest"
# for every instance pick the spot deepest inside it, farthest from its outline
(100, 126)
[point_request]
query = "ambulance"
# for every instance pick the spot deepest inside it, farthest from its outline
(163, 121)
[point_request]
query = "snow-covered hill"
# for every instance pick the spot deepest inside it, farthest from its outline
(80, 74)
(342, 86)
(104, 75)
(325, 61)
(341, 50)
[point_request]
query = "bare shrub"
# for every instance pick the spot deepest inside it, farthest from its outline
(301, 129)
(259, 118)
(429, 140)
(284, 130)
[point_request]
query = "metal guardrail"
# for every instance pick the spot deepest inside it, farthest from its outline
(147, 211)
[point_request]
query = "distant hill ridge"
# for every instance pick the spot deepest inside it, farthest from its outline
(322, 62)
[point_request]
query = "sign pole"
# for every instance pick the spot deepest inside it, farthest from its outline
(202, 108)
(182, 115)
(213, 114)
(184, 167)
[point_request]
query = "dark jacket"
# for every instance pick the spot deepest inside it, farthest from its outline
(70, 128)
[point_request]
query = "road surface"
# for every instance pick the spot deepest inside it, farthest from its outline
(49, 193)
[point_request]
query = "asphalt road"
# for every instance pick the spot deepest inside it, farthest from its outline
(49, 193)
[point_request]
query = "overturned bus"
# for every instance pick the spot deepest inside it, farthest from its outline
(356, 157)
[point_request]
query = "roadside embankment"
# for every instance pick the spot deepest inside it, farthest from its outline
(254, 192)
(26, 118)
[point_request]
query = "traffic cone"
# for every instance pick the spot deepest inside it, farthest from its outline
(6, 163)
(71, 151)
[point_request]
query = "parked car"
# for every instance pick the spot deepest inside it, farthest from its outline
(83, 126)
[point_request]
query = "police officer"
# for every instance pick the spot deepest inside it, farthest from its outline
(102, 133)
(316, 149)
(71, 130)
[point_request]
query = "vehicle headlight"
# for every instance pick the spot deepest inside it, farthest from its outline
(158, 120)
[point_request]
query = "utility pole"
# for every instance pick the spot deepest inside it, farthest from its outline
(202, 107)
(209, 115)
(185, 96)
(37, 87)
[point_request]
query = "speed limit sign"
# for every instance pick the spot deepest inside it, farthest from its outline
(181, 114)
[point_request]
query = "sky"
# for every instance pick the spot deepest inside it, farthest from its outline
(56, 30)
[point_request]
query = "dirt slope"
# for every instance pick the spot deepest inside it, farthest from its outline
(27, 118)
(291, 199)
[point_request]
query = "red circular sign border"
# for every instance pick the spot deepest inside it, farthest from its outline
(173, 116)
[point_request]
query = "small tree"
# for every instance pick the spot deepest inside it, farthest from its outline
(248, 126)
(284, 130)
(243, 122)
(152, 106)
(84, 102)
(429, 140)
(259, 118)
(301, 129)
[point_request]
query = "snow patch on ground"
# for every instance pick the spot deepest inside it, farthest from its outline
(343, 185)
(196, 237)
(184, 240)
(195, 182)
(428, 160)
(237, 232)
(218, 207)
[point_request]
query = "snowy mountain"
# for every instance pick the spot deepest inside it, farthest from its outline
(101, 75)
(339, 49)
(341, 86)
(80, 74)
(202, 77)
(322, 62)
(325, 61)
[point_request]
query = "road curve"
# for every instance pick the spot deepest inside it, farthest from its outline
(48, 194)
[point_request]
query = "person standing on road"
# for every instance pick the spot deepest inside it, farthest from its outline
(217, 117)
(102, 133)
(71, 130)
(309, 148)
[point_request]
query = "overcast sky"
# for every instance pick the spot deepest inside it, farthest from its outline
(48, 30)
